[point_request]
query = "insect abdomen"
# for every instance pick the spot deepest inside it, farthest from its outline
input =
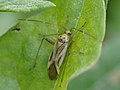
(52, 72)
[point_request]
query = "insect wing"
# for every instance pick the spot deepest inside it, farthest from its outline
(52, 72)
(56, 58)
(61, 54)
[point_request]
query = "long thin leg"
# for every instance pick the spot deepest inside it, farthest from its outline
(65, 21)
(37, 53)
(48, 40)
(56, 34)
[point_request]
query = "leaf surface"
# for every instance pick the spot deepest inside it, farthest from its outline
(24, 5)
(19, 48)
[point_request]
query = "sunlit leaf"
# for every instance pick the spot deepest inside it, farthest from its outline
(24, 5)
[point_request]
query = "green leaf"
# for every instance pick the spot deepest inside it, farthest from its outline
(106, 73)
(24, 5)
(93, 13)
(19, 48)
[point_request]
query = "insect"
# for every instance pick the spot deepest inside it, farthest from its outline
(58, 52)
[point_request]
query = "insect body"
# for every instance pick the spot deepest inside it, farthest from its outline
(58, 54)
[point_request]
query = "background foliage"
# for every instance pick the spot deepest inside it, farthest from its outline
(105, 75)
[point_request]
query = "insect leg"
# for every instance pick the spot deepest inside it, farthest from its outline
(65, 22)
(44, 38)
(34, 65)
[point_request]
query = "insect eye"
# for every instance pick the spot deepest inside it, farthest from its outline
(69, 33)
(63, 37)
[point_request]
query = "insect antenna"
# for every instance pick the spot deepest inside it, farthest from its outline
(44, 23)
(59, 26)
(80, 30)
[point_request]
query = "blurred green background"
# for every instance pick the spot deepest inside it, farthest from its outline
(105, 75)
